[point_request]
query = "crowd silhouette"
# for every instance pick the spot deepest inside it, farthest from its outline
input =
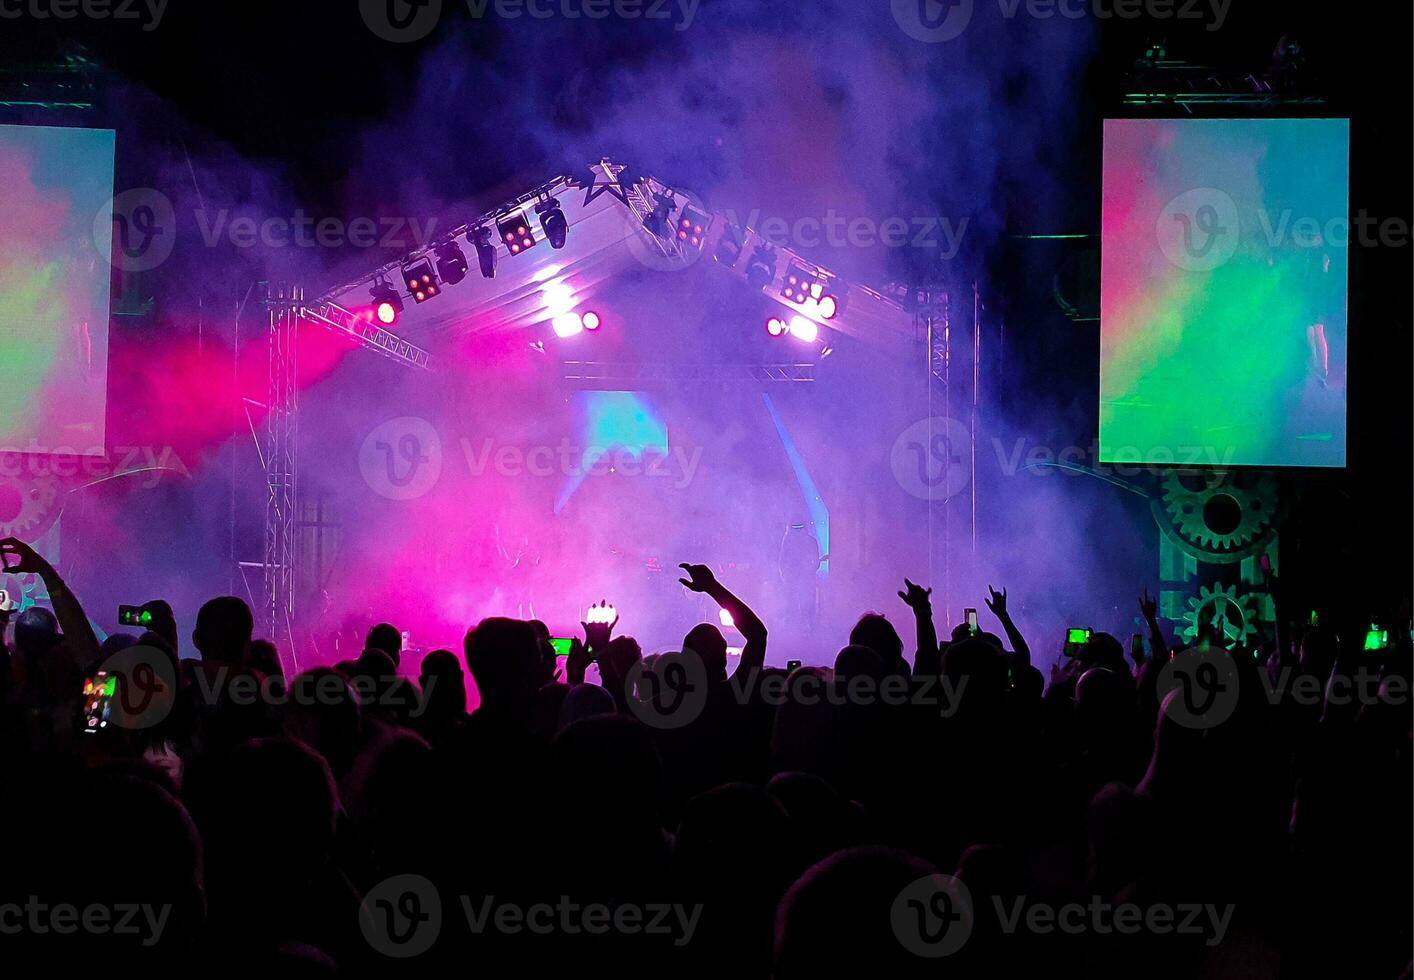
(731, 818)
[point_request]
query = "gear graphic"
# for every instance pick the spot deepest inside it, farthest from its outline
(1218, 516)
(27, 506)
(1229, 612)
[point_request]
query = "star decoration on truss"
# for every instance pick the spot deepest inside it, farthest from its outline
(606, 180)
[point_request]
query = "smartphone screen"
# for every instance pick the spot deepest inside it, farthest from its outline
(134, 616)
(1376, 639)
(1077, 636)
(971, 620)
(561, 645)
(98, 694)
(792, 665)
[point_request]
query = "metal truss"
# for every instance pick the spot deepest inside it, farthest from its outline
(607, 371)
(281, 462)
(368, 334)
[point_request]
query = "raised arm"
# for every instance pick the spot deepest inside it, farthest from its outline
(77, 631)
(926, 658)
(701, 579)
(996, 601)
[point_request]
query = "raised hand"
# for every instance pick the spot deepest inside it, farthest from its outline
(27, 560)
(577, 662)
(916, 596)
(996, 601)
(700, 577)
(599, 625)
(1148, 607)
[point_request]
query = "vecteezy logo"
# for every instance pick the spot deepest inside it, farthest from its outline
(401, 459)
(401, 21)
(930, 459)
(933, 21)
(146, 687)
(1198, 687)
(138, 231)
(933, 916)
(671, 693)
(1199, 230)
(401, 916)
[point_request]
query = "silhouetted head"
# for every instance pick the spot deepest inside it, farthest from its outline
(223, 630)
(323, 713)
(977, 671)
(708, 643)
(387, 638)
(584, 701)
(607, 770)
(443, 685)
(36, 632)
(878, 634)
(859, 661)
(1103, 650)
(837, 920)
(163, 622)
(263, 656)
(1104, 701)
(504, 656)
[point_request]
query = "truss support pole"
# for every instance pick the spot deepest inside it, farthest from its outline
(281, 452)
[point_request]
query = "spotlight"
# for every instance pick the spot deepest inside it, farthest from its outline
(692, 227)
(485, 252)
(775, 326)
(387, 304)
(514, 230)
(659, 223)
(805, 329)
(761, 267)
(451, 263)
(567, 325)
(801, 284)
(552, 222)
(591, 321)
(728, 247)
(421, 280)
(829, 307)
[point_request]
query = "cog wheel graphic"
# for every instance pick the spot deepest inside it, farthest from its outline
(27, 506)
(1218, 516)
(1231, 613)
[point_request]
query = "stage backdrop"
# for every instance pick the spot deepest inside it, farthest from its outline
(55, 247)
(1223, 291)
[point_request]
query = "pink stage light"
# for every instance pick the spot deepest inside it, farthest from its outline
(829, 306)
(386, 313)
(804, 329)
(775, 326)
(591, 321)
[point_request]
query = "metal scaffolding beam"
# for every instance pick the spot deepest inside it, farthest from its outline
(281, 458)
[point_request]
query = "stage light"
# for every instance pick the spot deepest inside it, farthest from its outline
(451, 263)
(485, 252)
(801, 284)
(387, 304)
(567, 325)
(804, 328)
(829, 306)
(421, 280)
(692, 227)
(659, 222)
(552, 222)
(591, 321)
(775, 326)
(514, 230)
(725, 618)
(728, 247)
(761, 267)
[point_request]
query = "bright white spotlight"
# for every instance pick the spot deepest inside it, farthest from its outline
(591, 320)
(558, 298)
(805, 329)
(829, 306)
(775, 326)
(567, 324)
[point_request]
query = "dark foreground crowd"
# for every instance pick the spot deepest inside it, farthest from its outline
(173, 804)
